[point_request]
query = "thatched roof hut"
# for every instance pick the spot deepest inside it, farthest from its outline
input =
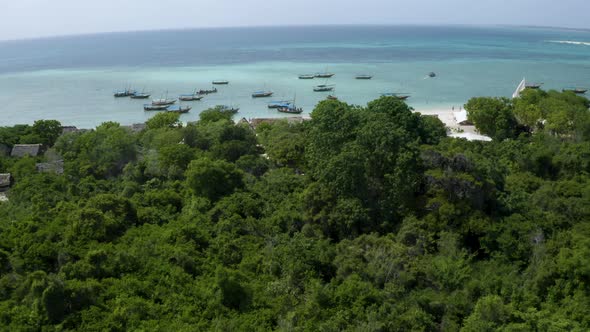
(21, 150)
(56, 167)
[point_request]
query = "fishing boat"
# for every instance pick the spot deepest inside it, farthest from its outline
(432, 74)
(307, 76)
(291, 109)
(230, 109)
(401, 96)
(220, 82)
(279, 103)
(323, 75)
(575, 90)
(124, 93)
(151, 107)
(532, 85)
(163, 102)
(323, 88)
(332, 97)
(139, 95)
(178, 109)
(261, 94)
(190, 97)
(206, 92)
(363, 77)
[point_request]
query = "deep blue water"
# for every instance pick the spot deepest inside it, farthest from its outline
(71, 78)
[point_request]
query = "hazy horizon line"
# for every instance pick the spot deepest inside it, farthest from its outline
(69, 35)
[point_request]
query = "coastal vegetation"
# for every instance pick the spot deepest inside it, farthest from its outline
(360, 219)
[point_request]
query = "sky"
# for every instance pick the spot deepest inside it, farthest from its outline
(41, 18)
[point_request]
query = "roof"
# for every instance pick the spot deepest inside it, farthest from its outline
(56, 167)
(68, 129)
(471, 136)
(4, 180)
(21, 150)
(137, 127)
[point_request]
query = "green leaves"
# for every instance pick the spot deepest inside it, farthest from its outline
(213, 178)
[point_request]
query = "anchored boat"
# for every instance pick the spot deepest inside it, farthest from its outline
(363, 77)
(230, 109)
(279, 103)
(206, 92)
(190, 97)
(262, 94)
(151, 107)
(306, 76)
(323, 88)
(401, 96)
(220, 82)
(533, 85)
(178, 109)
(576, 90)
(124, 93)
(163, 102)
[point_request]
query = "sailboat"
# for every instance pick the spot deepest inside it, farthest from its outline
(325, 74)
(163, 101)
(191, 97)
(520, 88)
(290, 108)
(142, 95)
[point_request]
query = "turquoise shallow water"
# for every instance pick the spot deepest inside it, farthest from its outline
(72, 79)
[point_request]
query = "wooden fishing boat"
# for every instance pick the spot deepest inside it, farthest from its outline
(151, 107)
(178, 109)
(576, 90)
(323, 88)
(363, 77)
(140, 96)
(262, 94)
(190, 97)
(291, 109)
(307, 76)
(124, 93)
(206, 92)
(324, 75)
(279, 103)
(401, 96)
(220, 82)
(230, 109)
(163, 102)
(533, 85)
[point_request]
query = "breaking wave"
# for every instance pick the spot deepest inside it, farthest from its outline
(571, 42)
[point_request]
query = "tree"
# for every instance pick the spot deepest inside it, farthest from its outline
(164, 120)
(492, 116)
(213, 178)
(48, 130)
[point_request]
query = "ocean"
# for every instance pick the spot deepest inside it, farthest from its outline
(72, 79)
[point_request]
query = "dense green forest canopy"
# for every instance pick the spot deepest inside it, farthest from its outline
(360, 219)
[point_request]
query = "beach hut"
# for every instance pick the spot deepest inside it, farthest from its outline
(68, 129)
(56, 167)
(22, 150)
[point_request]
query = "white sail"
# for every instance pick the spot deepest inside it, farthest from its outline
(519, 89)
